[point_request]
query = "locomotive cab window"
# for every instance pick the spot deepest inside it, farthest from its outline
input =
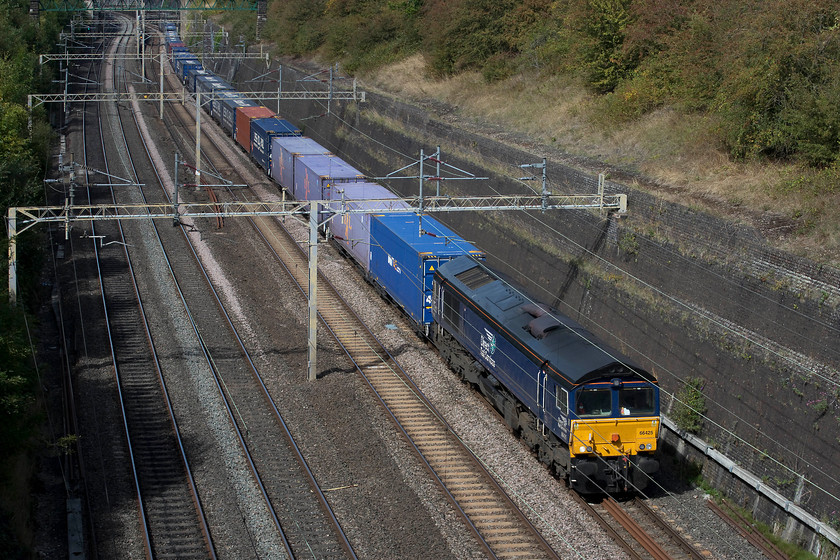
(633, 401)
(594, 402)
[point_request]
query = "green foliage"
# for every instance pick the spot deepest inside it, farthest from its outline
(766, 72)
(295, 26)
(690, 406)
(17, 376)
(482, 34)
(606, 25)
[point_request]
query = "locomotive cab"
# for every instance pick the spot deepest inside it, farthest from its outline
(613, 435)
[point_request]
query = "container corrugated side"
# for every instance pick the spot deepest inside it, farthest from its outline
(243, 123)
(284, 152)
(352, 231)
(228, 109)
(316, 174)
(405, 253)
(262, 132)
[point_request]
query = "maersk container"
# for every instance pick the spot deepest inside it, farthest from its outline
(244, 115)
(284, 152)
(228, 107)
(405, 252)
(352, 231)
(262, 131)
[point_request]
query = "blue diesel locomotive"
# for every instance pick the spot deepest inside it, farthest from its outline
(586, 410)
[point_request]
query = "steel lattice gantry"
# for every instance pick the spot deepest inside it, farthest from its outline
(68, 214)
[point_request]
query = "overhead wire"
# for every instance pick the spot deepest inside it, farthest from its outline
(675, 300)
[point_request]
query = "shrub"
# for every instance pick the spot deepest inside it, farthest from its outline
(690, 406)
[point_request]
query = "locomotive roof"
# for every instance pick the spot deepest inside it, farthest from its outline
(570, 350)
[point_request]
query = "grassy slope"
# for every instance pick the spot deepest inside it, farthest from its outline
(673, 153)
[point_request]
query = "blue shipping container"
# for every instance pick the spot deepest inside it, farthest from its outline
(352, 231)
(185, 63)
(228, 107)
(210, 86)
(193, 74)
(262, 131)
(405, 252)
(284, 152)
(216, 112)
(210, 82)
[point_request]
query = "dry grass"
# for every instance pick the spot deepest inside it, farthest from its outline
(677, 151)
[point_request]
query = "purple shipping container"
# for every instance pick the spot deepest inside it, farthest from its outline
(262, 131)
(316, 174)
(284, 152)
(352, 231)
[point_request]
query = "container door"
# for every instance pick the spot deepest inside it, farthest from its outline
(429, 268)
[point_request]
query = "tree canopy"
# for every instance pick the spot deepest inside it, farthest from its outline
(768, 70)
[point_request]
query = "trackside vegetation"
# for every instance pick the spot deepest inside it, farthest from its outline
(732, 99)
(23, 161)
(769, 70)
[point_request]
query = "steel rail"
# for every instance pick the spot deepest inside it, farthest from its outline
(609, 529)
(167, 400)
(508, 546)
(634, 529)
(669, 530)
(746, 530)
(474, 493)
(298, 454)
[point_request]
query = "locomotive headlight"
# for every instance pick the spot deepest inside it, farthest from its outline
(641, 446)
(583, 449)
(589, 449)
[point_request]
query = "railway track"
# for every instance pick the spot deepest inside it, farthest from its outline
(639, 530)
(499, 526)
(497, 523)
(299, 509)
(746, 529)
(171, 518)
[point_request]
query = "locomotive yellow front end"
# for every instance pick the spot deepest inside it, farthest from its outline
(613, 440)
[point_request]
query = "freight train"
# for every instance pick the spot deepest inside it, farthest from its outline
(586, 410)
